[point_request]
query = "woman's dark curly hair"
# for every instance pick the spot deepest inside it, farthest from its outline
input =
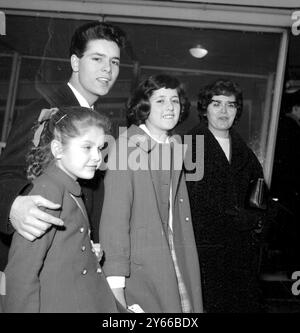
(63, 124)
(138, 105)
(219, 87)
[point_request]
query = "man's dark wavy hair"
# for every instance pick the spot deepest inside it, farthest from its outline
(93, 31)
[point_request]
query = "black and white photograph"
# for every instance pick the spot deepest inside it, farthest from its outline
(149, 159)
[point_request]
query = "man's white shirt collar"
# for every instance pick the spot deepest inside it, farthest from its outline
(81, 100)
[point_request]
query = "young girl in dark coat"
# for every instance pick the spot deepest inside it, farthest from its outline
(60, 272)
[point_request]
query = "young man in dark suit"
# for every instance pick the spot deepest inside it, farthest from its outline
(95, 59)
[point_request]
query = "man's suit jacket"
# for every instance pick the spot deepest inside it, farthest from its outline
(13, 179)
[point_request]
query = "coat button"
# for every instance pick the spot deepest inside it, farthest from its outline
(99, 270)
(187, 219)
(81, 230)
(82, 248)
(84, 272)
(181, 200)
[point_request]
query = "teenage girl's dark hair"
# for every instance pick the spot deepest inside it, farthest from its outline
(93, 31)
(63, 124)
(219, 87)
(138, 105)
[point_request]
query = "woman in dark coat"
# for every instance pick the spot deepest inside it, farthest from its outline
(227, 232)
